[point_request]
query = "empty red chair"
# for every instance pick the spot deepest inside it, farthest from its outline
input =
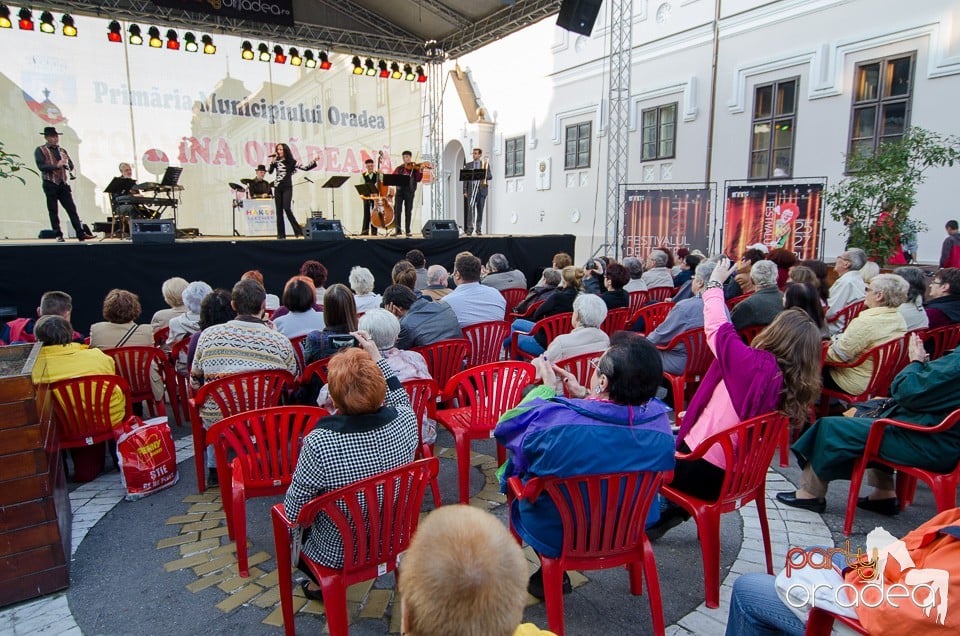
(233, 394)
(885, 359)
(552, 326)
(615, 321)
(423, 400)
(256, 454)
(943, 485)
(940, 340)
(599, 532)
(514, 296)
(637, 300)
(376, 517)
(483, 393)
(135, 365)
(748, 449)
(81, 412)
(659, 294)
(652, 316)
(445, 358)
(486, 341)
(699, 358)
(848, 313)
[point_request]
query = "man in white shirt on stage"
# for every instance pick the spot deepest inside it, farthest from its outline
(471, 301)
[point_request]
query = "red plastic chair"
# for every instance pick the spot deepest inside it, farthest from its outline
(747, 334)
(135, 365)
(579, 366)
(637, 300)
(531, 309)
(423, 400)
(699, 358)
(736, 300)
(652, 316)
(486, 341)
(820, 623)
(659, 294)
(81, 412)
(232, 395)
(160, 336)
(615, 321)
(256, 454)
(943, 485)
(445, 358)
(552, 326)
(514, 296)
(316, 368)
(940, 340)
(376, 517)
(297, 343)
(885, 358)
(484, 393)
(847, 314)
(599, 532)
(178, 386)
(748, 449)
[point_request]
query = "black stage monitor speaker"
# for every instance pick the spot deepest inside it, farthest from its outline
(578, 15)
(324, 230)
(153, 231)
(434, 229)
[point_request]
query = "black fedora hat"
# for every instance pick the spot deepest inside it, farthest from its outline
(261, 168)
(50, 130)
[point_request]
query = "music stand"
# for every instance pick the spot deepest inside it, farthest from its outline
(367, 189)
(334, 183)
(396, 180)
(477, 176)
(171, 177)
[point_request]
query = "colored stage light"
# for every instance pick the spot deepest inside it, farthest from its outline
(384, 71)
(26, 19)
(155, 42)
(5, 22)
(264, 52)
(408, 73)
(278, 55)
(395, 71)
(421, 78)
(308, 60)
(69, 27)
(325, 63)
(357, 66)
(113, 33)
(135, 37)
(295, 59)
(46, 23)
(246, 51)
(208, 46)
(370, 70)
(173, 40)
(190, 42)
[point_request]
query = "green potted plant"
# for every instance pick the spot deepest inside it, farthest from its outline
(875, 199)
(10, 165)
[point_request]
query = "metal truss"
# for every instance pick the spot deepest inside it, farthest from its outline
(436, 83)
(459, 20)
(366, 17)
(618, 121)
(507, 20)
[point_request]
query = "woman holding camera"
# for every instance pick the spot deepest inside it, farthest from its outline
(340, 316)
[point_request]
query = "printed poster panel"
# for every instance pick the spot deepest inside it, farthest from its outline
(260, 218)
(666, 219)
(779, 216)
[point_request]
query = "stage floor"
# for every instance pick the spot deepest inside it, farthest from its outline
(88, 270)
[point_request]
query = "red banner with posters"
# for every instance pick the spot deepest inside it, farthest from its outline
(665, 219)
(786, 216)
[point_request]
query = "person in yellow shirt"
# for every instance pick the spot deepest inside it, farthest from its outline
(464, 574)
(62, 359)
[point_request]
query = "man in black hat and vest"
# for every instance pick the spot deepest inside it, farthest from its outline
(259, 187)
(55, 164)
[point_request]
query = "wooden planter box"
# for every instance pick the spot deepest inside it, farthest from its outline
(34, 504)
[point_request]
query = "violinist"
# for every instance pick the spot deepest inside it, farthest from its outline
(404, 198)
(475, 194)
(370, 177)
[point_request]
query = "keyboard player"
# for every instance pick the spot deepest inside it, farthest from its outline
(122, 201)
(259, 187)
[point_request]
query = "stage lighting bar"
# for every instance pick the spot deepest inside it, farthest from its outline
(69, 27)
(26, 19)
(114, 32)
(325, 63)
(264, 55)
(246, 51)
(383, 71)
(421, 77)
(408, 73)
(357, 66)
(135, 36)
(5, 22)
(173, 40)
(208, 47)
(369, 69)
(308, 59)
(155, 42)
(295, 59)
(190, 42)
(278, 55)
(395, 71)
(46, 23)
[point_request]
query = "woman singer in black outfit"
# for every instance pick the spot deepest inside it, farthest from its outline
(286, 165)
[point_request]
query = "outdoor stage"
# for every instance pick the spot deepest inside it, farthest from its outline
(88, 270)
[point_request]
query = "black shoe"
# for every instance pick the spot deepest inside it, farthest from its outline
(888, 507)
(671, 516)
(88, 236)
(313, 595)
(60, 239)
(408, 234)
(212, 478)
(810, 503)
(479, 233)
(535, 584)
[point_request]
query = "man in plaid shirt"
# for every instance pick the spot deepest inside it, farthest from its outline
(374, 431)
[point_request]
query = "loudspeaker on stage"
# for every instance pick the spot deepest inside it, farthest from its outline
(440, 229)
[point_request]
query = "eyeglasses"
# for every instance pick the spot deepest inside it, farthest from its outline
(843, 258)
(936, 282)
(594, 363)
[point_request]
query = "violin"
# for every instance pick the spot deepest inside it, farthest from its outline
(417, 166)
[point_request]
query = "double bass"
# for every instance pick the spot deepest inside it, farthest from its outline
(382, 214)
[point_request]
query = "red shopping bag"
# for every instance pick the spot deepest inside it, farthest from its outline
(148, 458)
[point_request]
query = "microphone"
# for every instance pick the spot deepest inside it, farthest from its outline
(272, 155)
(307, 179)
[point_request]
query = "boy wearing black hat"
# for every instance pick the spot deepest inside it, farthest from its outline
(55, 164)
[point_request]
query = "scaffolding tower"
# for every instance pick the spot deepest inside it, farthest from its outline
(618, 121)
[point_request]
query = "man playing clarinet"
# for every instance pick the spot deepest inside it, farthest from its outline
(55, 164)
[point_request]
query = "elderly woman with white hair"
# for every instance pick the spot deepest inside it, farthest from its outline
(172, 291)
(589, 312)
(361, 282)
(188, 323)
(878, 323)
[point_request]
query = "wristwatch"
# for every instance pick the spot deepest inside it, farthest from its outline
(714, 284)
